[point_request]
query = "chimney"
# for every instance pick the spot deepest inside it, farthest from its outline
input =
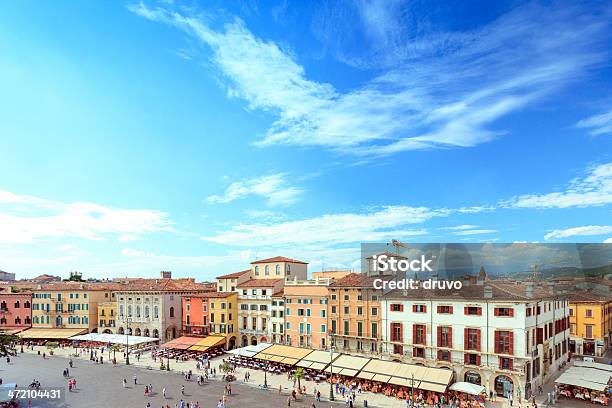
(166, 274)
(529, 289)
(488, 292)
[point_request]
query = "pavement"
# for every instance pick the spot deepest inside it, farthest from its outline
(99, 385)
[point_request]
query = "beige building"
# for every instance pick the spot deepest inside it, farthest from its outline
(230, 282)
(279, 267)
(306, 313)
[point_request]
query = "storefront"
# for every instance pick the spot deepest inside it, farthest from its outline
(472, 377)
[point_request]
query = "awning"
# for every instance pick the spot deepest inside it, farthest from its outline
(318, 366)
(115, 338)
(348, 372)
(181, 343)
(381, 378)
(283, 354)
(50, 334)
(588, 364)
(580, 382)
(405, 382)
(250, 351)
(424, 385)
(587, 377)
(348, 362)
(11, 332)
(207, 343)
(468, 388)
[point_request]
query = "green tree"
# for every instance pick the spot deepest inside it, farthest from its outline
(298, 375)
(115, 348)
(7, 344)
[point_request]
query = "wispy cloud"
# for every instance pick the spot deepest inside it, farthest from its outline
(460, 227)
(594, 189)
(598, 124)
(274, 188)
(444, 91)
(26, 218)
(589, 230)
(474, 232)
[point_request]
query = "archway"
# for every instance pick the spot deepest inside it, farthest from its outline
(245, 341)
(146, 332)
(503, 385)
(472, 377)
(120, 331)
(253, 341)
(156, 333)
(232, 343)
(129, 331)
(137, 332)
(263, 340)
(107, 331)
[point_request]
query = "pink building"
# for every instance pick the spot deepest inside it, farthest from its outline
(15, 310)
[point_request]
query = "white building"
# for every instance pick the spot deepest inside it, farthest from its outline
(254, 310)
(504, 336)
(277, 318)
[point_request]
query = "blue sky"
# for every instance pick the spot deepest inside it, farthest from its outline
(197, 137)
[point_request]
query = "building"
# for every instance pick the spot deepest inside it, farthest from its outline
(229, 283)
(277, 318)
(279, 267)
(505, 336)
(69, 305)
(15, 310)
(213, 313)
(107, 313)
(590, 323)
(153, 307)
(255, 305)
(355, 315)
(306, 313)
(7, 276)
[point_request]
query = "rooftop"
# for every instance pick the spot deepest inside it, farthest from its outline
(279, 259)
(233, 275)
(260, 283)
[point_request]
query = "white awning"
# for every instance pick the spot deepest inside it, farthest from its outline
(250, 351)
(467, 388)
(115, 338)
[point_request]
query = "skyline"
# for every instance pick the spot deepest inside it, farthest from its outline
(146, 136)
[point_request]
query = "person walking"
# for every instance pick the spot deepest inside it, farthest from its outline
(135, 382)
(124, 382)
(164, 392)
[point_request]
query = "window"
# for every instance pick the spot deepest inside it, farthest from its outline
(418, 352)
(129, 310)
(278, 269)
(346, 328)
(397, 332)
(471, 359)
(445, 310)
(445, 336)
(505, 363)
(346, 310)
(137, 311)
(172, 311)
(419, 308)
(147, 310)
(323, 328)
(267, 270)
(374, 329)
(323, 313)
(472, 339)
(588, 313)
(397, 307)
(571, 312)
(472, 310)
(374, 311)
(256, 270)
(398, 349)
(360, 310)
(504, 342)
(444, 355)
(418, 334)
(504, 311)
(588, 331)
(333, 309)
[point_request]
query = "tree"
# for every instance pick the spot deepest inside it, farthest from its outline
(298, 375)
(226, 368)
(76, 277)
(115, 347)
(7, 344)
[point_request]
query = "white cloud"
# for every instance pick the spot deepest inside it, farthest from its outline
(475, 232)
(608, 241)
(274, 188)
(71, 248)
(589, 230)
(135, 253)
(129, 238)
(26, 219)
(461, 227)
(598, 124)
(377, 224)
(594, 189)
(444, 90)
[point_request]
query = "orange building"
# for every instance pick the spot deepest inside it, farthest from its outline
(211, 313)
(306, 313)
(355, 316)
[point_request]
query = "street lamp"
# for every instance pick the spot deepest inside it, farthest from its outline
(127, 341)
(167, 362)
(331, 367)
(266, 374)
(412, 386)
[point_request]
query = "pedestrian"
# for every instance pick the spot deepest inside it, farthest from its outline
(124, 382)
(182, 389)
(135, 382)
(164, 392)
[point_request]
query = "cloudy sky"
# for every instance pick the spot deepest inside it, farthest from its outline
(198, 136)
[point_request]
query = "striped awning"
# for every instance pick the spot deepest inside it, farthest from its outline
(50, 334)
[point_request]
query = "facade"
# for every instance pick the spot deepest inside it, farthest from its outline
(306, 313)
(107, 313)
(590, 323)
(355, 319)
(279, 267)
(15, 310)
(153, 307)
(70, 305)
(277, 318)
(506, 337)
(212, 313)
(230, 282)
(255, 305)
(7, 276)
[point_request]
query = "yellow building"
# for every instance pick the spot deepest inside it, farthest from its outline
(590, 323)
(107, 313)
(212, 313)
(69, 305)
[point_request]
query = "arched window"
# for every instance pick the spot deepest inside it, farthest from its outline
(17, 305)
(129, 310)
(267, 269)
(36, 319)
(171, 311)
(85, 320)
(26, 304)
(156, 312)
(278, 271)
(147, 311)
(137, 311)
(121, 310)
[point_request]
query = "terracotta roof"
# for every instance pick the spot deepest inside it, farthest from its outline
(279, 259)
(279, 293)
(260, 283)
(353, 280)
(233, 275)
(164, 285)
(584, 296)
(76, 286)
(212, 295)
